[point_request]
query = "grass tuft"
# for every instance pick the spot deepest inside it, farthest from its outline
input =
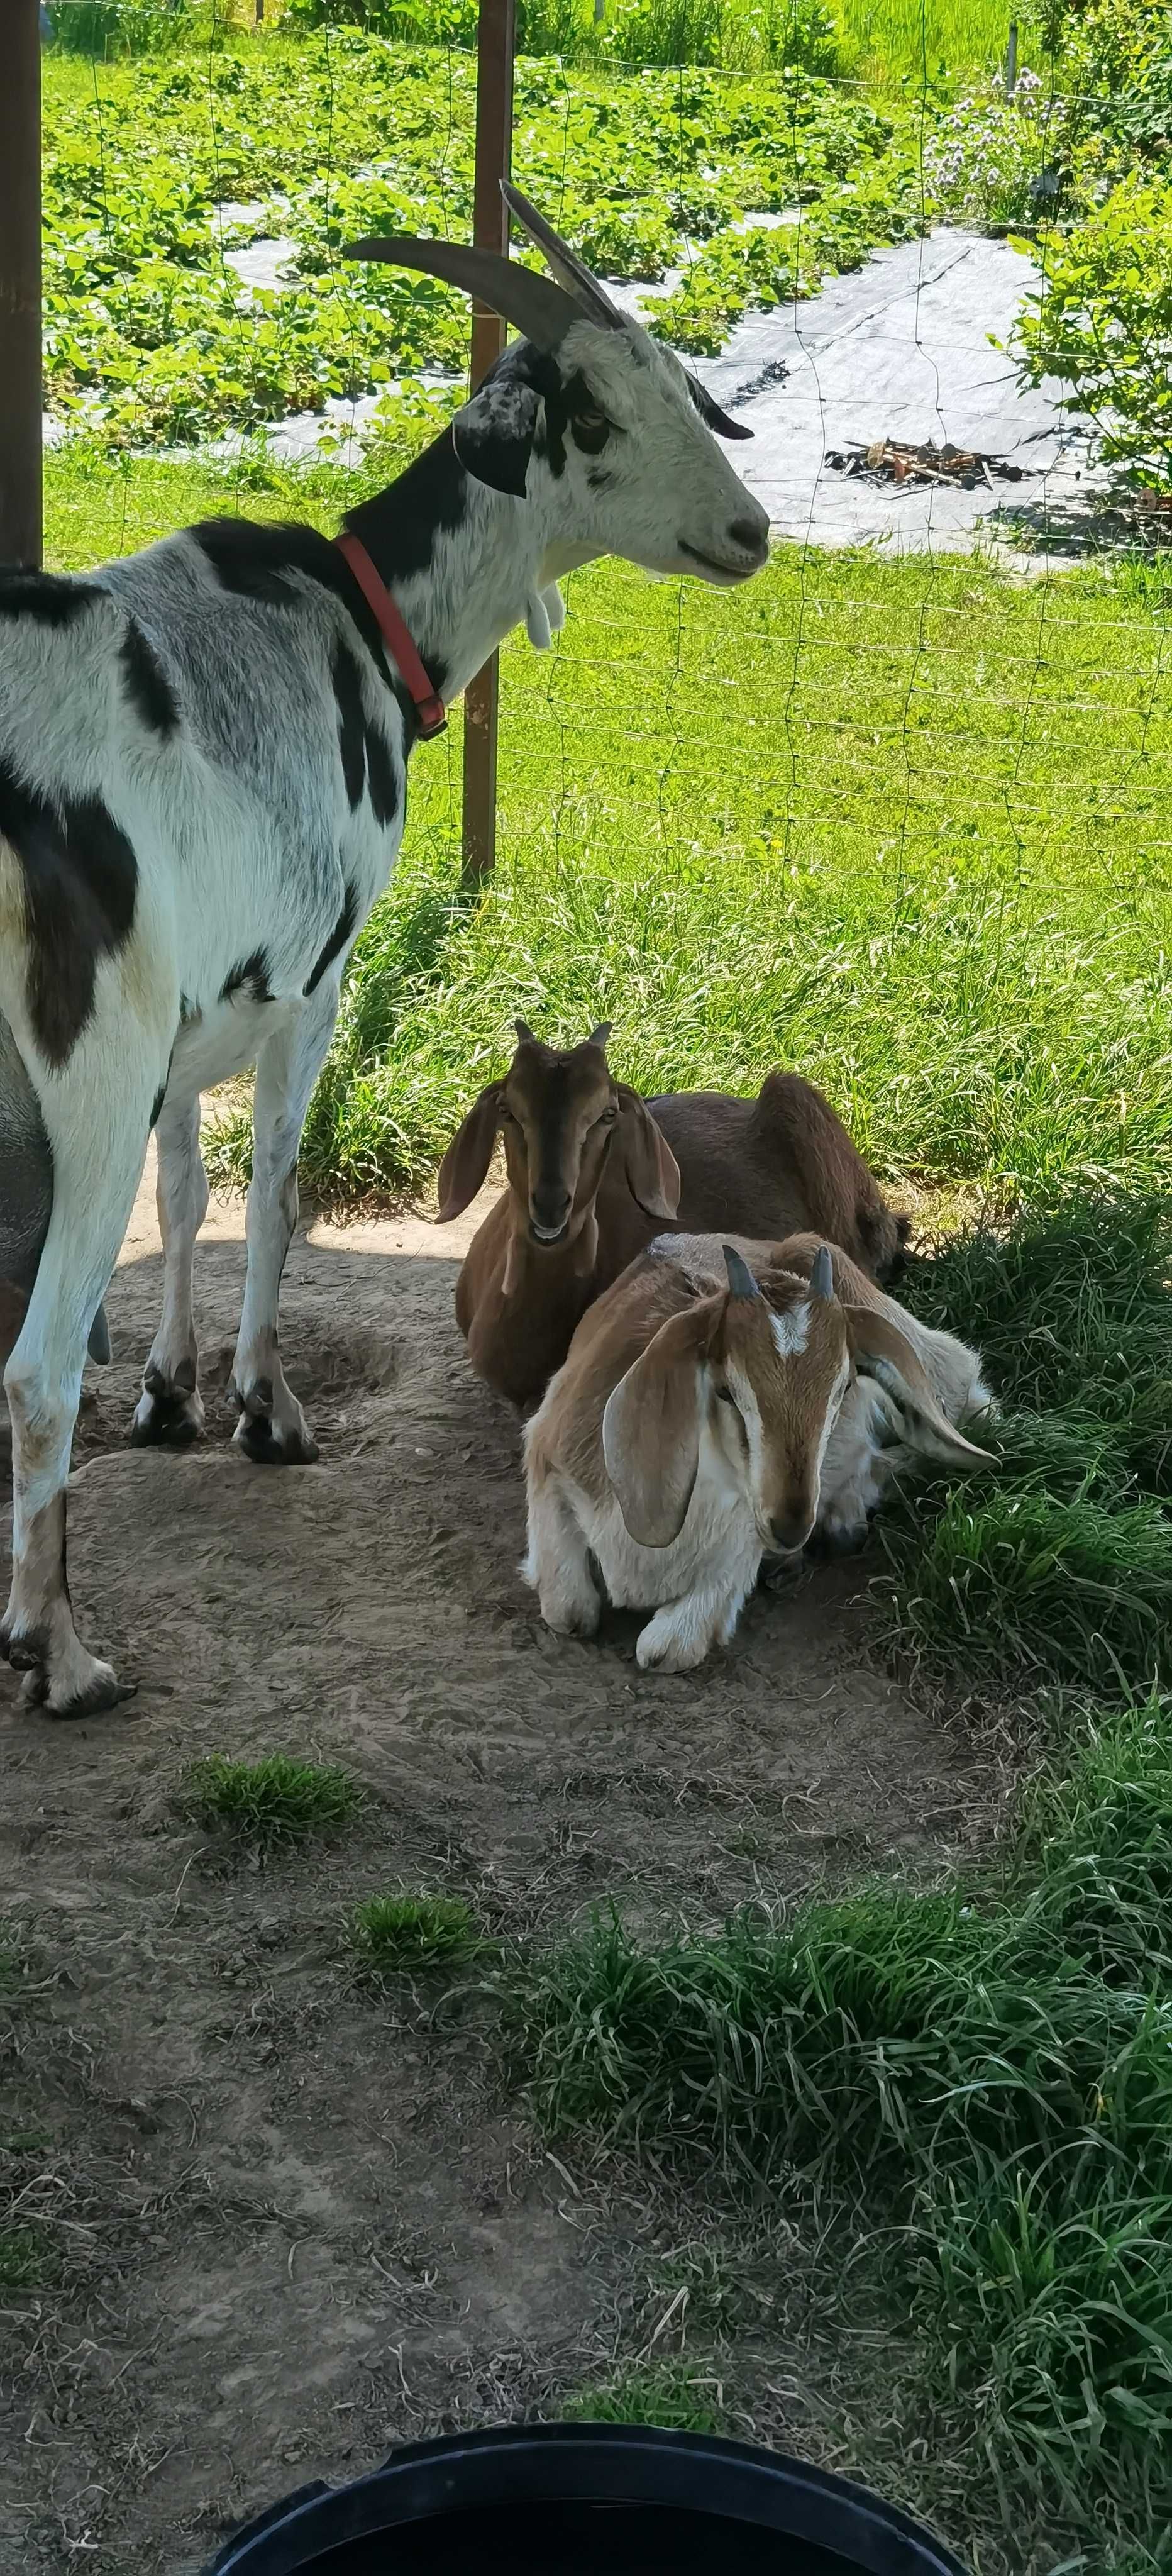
(986, 2071)
(404, 1931)
(1023, 1585)
(274, 1800)
(673, 2395)
(1072, 1311)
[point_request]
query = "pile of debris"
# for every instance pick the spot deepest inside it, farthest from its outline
(896, 460)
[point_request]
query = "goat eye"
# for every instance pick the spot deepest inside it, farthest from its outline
(724, 1395)
(607, 1118)
(591, 430)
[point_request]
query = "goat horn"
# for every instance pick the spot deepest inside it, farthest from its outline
(525, 1033)
(822, 1274)
(536, 307)
(599, 1036)
(564, 263)
(740, 1278)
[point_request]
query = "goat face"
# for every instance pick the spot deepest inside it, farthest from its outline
(754, 1387)
(592, 417)
(612, 435)
(562, 1116)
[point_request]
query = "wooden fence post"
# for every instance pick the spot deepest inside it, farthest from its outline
(490, 230)
(20, 285)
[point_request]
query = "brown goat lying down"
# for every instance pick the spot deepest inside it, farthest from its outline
(595, 1173)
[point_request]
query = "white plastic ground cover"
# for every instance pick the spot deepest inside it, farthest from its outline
(903, 349)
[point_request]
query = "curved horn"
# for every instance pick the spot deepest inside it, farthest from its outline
(599, 1036)
(740, 1278)
(525, 1033)
(534, 305)
(822, 1274)
(570, 271)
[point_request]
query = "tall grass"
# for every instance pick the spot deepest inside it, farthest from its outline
(902, 825)
(986, 2074)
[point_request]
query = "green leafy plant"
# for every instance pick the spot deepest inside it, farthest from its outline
(183, 159)
(1102, 320)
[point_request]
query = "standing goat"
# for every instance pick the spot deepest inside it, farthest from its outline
(710, 1412)
(593, 1170)
(203, 759)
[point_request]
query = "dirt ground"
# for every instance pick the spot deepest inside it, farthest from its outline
(295, 2220)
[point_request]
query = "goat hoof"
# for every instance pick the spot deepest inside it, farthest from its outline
(274, 1444)
(102, 1691)
(166, 1417)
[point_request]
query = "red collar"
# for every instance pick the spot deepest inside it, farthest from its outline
(429, 709)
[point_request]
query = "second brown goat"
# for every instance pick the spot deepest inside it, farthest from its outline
(595, 1173)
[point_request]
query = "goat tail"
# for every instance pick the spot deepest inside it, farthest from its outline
(843, 1200)
(26, 1200)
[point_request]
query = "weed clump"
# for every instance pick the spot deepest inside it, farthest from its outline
(406, 1931)
(271, 1801)
(675, 2396)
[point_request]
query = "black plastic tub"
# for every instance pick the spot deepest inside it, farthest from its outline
(586, 2500)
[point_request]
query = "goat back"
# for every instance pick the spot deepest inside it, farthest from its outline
(777, 1165)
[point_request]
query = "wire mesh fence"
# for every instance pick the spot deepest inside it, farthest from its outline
(898, 811)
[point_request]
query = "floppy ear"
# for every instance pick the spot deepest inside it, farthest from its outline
(493, 434)
(463, 1168)
(651, 1428)
(884, 1353)
(653, 1174)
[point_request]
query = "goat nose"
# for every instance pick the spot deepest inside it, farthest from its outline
(550, 1207)
(751, 534)
(790, 1531)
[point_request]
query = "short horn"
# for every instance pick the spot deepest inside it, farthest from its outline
(599, 1036)
(740, 1278)
(822, 1274)
(527, 1036)
(533, 304)
(570, 271)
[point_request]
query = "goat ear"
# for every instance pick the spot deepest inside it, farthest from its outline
(884, 1353)
(493, 434)
(711, 414)
(651, 1428)
(653, 1174)
(466, 1162)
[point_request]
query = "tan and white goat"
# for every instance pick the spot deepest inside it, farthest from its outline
(721, 1403)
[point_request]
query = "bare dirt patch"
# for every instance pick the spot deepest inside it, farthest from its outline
(292, 2219)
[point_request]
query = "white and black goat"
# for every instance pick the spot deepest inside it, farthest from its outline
(203, 759)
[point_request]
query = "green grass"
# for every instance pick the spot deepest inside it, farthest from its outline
(403, 1931)
(986, 2073)
(1057, 1568)
(673, 2394)
(271, 1801)
(902, 825)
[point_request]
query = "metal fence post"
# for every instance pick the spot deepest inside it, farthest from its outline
(20, 286)
(1011, 60)
(490, 230)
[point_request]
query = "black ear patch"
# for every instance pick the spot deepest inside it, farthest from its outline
(493, 434)
(717, 420)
